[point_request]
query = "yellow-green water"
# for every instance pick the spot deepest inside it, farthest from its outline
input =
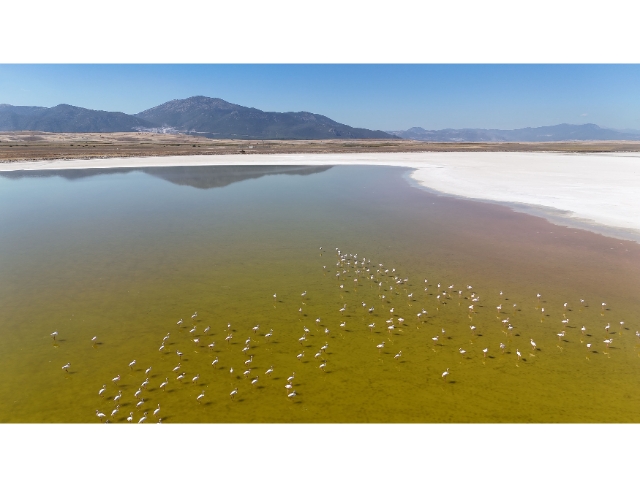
(124, 256)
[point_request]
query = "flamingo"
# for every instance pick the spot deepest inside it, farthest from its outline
(445, 374)
(100, 415)
(54, 335)
(164, 384)
(215, 361)
(200, 396)
(66, 366)
(533, 344)
(398, 355)
(143, 418)
(104, 388)
(156, 411)
(235, 391)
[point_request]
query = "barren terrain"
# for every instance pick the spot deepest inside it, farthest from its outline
(34, 146)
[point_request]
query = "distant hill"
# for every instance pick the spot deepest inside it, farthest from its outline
(67, 118)
(209, 117)
(553, 133)
(216, 118)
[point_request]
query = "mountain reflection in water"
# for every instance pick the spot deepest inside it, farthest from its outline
(202, 177)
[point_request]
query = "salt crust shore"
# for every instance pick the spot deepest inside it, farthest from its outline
(598, 192)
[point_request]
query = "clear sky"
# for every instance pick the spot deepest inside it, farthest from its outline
(385, 97)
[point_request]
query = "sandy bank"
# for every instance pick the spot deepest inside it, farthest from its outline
(600, 192)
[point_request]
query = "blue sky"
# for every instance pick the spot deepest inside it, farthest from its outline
(382, 97)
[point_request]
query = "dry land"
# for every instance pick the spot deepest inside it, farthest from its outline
(34, 146)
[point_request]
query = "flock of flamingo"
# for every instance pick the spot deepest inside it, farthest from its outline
(356, 278)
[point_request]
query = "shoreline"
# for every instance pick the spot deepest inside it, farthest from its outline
(595, 191)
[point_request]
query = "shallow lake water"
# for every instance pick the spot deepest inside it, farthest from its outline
(124, 255)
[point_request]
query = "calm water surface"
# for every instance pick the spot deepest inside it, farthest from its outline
(123, 255)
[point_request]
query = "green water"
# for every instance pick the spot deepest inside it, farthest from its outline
(124, 255)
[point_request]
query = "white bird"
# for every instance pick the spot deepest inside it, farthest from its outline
(146, 372)
(398, 355)
(100, 415)
(192, 330)
(326, 331)
(206, 330)
(608, 342)
(246, 373)
(195, 379)
(445, 374)
(502, 346)
(137, 393)
(130, 417)
(143, 418)
(292, 395)
(583, 329)
(380, 346)
(161, 348)
(255, 328)
(94, 339)
(254, 381)
(300, 355)
(177, 368)
(118, 397)
(181, 376)
(54, 335)
(145, 383)
(194, 315)
(533, 344)
(215, 361)
(101, 391)
(247, 362)
(269, 371)
(235, 391)
(343, 324)
(231, 370)
(116, 379)
(200, 396)
(212, 345)
(66, 366)
(462, 352)
(164, 384)
(156, 411)
(323, 365)
(518, 353)
(140, 403)
(290, 379)
(179, 354)
(484, 351)
(179, 322)
(115, 411)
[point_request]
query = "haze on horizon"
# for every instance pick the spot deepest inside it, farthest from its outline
(377, 97)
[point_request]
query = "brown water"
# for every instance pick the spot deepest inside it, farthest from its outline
(124, 255)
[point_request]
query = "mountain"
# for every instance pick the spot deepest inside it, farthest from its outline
(553, 133)
(216, 118)
(67, 118)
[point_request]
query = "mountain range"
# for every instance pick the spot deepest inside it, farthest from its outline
(552, 133)
(218, 119)
(209, 117)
